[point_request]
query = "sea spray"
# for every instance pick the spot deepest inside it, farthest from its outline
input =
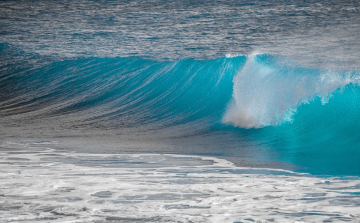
(268, 90)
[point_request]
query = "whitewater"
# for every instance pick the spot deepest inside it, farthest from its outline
(174, 111)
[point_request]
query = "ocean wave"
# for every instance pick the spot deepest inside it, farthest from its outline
(262, 103)
(243, 91)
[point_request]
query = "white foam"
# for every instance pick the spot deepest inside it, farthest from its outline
(232, 55)
(59, 186)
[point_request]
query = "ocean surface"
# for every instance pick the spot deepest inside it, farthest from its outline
(192, 92)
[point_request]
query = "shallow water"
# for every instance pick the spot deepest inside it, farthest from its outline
(44, 184)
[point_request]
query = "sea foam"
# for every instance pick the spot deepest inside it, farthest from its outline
(43, 184)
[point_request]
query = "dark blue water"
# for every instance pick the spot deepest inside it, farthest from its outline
(261, 83)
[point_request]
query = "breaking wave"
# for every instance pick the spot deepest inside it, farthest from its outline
(267, 99)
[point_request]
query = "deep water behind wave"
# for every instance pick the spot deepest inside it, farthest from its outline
(257, 107)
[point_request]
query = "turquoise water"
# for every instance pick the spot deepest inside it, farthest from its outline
(277, 109)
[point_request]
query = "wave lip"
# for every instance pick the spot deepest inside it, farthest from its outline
(268, 90)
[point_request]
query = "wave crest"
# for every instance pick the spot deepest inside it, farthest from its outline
(268, 90)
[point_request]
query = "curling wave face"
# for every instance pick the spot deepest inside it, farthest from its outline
(123, 92)
(256, 101)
